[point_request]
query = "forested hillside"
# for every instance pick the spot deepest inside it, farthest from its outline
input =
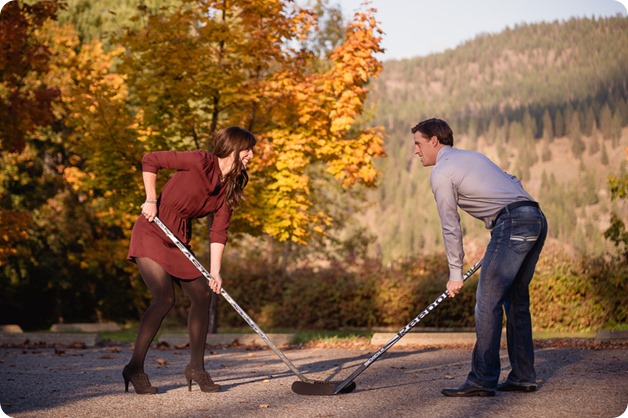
(547, 102)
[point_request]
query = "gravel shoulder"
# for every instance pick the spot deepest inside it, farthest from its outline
(576, 378)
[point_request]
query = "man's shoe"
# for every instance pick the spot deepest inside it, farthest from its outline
(467, 390)
(511, 387)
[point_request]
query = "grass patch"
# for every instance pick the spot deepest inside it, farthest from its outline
(617, 327)
(316, 337)
(330, 337)
(549, 334)
(304, 337)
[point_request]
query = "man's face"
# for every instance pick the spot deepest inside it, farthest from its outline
(426, 148)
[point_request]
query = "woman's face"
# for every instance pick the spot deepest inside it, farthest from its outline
(245, 156)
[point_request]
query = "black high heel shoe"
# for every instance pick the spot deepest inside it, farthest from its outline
(202, 378)
(140, 382)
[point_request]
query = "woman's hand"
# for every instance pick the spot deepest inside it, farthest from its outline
(149, 210)
(215, 283)
(215, 250)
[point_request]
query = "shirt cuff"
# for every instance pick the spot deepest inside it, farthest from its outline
(455, 274)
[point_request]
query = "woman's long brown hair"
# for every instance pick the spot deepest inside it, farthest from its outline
(234, 140)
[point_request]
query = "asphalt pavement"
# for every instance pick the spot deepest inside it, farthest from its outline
(405, 382)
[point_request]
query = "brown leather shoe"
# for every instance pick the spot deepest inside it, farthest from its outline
(140, 382)
(511, 387)
(467, 390)
(201, 377)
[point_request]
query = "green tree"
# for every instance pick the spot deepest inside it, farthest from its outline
(606, 121)
(617, 231)
(588, 121)
(559, 124)
(589, 188)
(616, 125)
(548, 127)
(594, 142)
(104, 19)
(604, 155)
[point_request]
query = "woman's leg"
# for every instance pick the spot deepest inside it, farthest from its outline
(198, 319)
(160, 285)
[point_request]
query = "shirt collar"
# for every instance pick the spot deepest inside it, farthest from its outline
(442, 152)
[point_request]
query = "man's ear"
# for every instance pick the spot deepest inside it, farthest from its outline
(434, 140)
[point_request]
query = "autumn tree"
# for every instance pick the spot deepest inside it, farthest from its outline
(64, 167)
(212, 64)
(106, 19)
(25, 105)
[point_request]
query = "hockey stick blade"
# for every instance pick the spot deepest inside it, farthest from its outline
(320, 388)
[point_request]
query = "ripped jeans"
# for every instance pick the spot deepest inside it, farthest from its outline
(507, 269)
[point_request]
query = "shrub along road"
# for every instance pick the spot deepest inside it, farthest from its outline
(576, 378)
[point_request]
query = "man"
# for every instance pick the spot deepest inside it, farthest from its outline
(471, 181)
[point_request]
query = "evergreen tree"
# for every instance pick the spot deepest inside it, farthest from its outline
(529, 126)
(548, 127)
(616, 128)
(606, 122)
(594, 143)
(589, 188)
(492, 130)
(588, 122)
(604, 155)
(578, 147)
(574, 128)
(559, 124)
(546, 152)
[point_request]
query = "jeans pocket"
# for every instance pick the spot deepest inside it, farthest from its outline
(523, 234)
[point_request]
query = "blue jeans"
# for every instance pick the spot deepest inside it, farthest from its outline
(507, 269)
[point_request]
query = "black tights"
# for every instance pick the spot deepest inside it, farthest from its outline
(161, 286)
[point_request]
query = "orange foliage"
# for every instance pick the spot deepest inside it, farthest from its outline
(212, 64)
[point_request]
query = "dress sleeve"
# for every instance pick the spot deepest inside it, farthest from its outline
(220, 225)
(176, 160)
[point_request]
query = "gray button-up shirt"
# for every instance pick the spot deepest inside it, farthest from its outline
(471, 181)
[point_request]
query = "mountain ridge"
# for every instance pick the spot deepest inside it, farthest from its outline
(547, 102)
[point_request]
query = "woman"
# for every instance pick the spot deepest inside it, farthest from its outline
(203, 183)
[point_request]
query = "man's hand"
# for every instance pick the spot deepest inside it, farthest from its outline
(454, 287)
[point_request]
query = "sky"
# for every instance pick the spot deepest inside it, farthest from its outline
(421, 27)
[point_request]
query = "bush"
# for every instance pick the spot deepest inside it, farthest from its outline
(348, 297)
(567, 294)
(579, 294)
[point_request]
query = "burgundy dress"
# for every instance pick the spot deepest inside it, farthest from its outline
(194, 191)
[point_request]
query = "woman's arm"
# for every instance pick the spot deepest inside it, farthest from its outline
(149, 207)
(215, 250)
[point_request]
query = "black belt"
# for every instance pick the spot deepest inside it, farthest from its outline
(513, 206)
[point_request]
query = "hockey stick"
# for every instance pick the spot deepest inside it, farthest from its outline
(252, 324)
(303, 388)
